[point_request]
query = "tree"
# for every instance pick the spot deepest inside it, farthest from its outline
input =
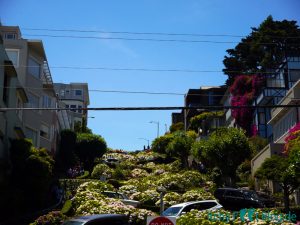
(89, 147)
(263, 49)
(160, 144)
(180, 146)
(80, 127)
(177, 127)
(279, 169)
(226, 148)
(66, 154)
(32, 171)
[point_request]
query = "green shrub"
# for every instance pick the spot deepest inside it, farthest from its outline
(84, 176)
(67, 208)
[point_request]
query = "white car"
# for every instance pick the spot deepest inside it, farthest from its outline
(182, 208)
(122, 197)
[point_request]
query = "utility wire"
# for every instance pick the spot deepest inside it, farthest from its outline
(147, 33)
(133, 92)
(158, 108)
(149, 39)
(145, 69)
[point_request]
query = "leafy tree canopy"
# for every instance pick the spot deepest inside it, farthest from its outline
(226, 148)
(160, 144)
(263, 49)
(177, 127)
(180, 146)
(89, 147)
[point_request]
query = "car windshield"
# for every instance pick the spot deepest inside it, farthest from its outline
(70, 222)
(172, 211)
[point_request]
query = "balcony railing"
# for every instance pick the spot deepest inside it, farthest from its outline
(267, 94)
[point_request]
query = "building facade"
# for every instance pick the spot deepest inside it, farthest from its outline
(282, 120)
(30, 62)
(205, 96)
(75, 97)
(276, 86)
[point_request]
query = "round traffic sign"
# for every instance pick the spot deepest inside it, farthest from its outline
(161, 221)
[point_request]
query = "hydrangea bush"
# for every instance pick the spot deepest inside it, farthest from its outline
(197, 195)
(136, 173)
(170, 198)
(101, 169)
(89, 201)
(149, 197)
(53, 218)
(196, 217)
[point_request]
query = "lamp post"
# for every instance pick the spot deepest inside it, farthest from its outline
(146, 140)
(157, 123)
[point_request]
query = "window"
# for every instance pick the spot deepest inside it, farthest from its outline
(34, 68)
(73, 108)
(67, 106)
(79, 109)
(19, 105)
(6, 89)
(11, 36)
(78, 92)
(31, 134)
(287, 122)
(13, 55)
(62, 93)
(44, 131)
(294, 76)
(234, 194)
(47, 103)
(33, 101)
(262, 118)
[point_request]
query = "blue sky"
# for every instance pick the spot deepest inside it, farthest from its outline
(122, 130)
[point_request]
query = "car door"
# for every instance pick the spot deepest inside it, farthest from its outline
(234, 199)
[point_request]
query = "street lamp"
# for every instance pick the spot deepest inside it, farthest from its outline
(92, 117)
(157, 123)
(146, 140)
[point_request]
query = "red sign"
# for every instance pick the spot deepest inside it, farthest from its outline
(161, 221)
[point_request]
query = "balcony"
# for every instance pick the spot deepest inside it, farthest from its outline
(270, 94)
(292, 97)
(47, 78)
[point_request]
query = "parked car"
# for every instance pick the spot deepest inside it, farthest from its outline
(122, 197)
(236, 199)
(182, 208)
(103, 219)
(266, 199)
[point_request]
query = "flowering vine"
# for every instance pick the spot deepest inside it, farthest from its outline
(292, 138)
(244, 89)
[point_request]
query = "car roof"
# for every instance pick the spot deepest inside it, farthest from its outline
(193, 202)
(100, 217)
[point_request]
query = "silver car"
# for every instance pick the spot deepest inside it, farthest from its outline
(182, 208)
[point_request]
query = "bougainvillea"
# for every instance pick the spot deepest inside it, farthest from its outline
(244, 89)
(292, 138)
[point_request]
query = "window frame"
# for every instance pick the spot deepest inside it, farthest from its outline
(16, 65)
(30, 67)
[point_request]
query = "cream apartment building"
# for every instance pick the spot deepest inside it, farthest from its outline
(30, 62)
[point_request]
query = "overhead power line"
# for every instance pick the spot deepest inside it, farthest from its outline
(145, 33)
(149, 39)
(133, 92)
(215, 107)
(147, 69)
